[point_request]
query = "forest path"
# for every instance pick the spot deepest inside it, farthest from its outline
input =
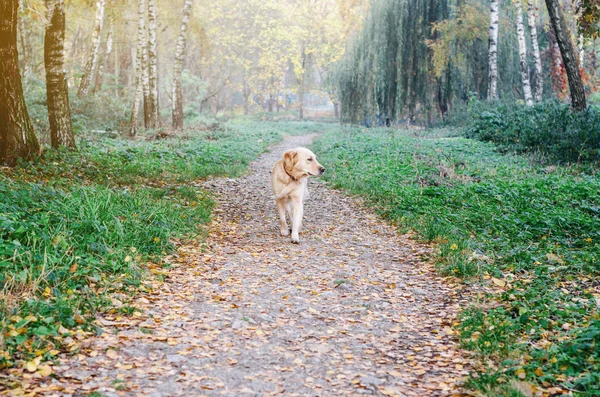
(352, 310)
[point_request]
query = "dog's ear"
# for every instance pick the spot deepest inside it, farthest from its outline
(289, 161)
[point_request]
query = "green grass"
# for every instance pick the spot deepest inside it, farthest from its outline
(529, 232)
(78, 226)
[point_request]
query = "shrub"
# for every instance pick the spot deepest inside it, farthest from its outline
(550, 130)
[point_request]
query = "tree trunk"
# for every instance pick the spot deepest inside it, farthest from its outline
(179, 55)
(90, 66)
(57, 90)
(539, 81)
(581, 50)
(246, 95)
(139, 68)
(523, 67)
(152, 65)
(301, 89)
(568, 55)
(117, 69)
(26, 50)
(104, 60)
(493, 52)
(17, 138)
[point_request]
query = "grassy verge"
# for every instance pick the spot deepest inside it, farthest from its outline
(76, 227)
(530, 233)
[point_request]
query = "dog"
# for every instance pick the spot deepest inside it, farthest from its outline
(289, 181)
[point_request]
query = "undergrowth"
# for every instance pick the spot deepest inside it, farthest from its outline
(549, 130)
(77, 226)
(530, 232)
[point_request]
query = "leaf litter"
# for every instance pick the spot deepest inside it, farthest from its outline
(354, 309)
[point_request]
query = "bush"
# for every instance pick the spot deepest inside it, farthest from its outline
(549, 130)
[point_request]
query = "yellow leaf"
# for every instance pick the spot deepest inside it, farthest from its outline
(539, 371)
(499, 282)
(79, 319)
(31, 366)
(112, 354)
(45, 370)
(520, 373)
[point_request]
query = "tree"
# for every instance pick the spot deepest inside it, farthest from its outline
(152, 66)
(90, 66)
(493, 52)
(565, 45)
(138, 73)
(531, 20)
(523, 66)
(59, 113)
(179, 55)
(17, 138)
(104, 60)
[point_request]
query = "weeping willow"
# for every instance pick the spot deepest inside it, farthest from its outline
(389, 72)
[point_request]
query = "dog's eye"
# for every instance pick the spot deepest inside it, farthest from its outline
(310, 159)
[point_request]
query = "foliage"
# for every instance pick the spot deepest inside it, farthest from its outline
(549, 129)
(588, 12)
(530, 232)
(76, 226)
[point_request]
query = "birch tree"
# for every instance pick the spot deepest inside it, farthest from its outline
(179, 55)
(57, 90)
(138, 72)
(90, 66)
(105, 59)
(152, 66)
(535, 47)
(17, 138)
(493, 52)
(523, 67)
(568, 55)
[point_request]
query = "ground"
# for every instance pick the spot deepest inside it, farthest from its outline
(354, 309)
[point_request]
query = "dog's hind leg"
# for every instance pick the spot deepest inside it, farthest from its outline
(283, 226)
(296, 215)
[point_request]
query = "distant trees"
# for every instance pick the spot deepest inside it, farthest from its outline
(386, 75)
(17, 138)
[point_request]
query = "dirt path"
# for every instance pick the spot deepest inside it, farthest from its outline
(351, 310)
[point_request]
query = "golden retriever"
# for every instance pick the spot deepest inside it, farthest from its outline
(289, 179)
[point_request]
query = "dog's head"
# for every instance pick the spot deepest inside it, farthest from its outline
(301, 162)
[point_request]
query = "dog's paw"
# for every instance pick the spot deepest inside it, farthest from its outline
(295, 240)
(285, 232)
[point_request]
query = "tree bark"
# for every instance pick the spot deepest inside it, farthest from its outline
(581, 50)
(179, 55)
(539, 80)
(17, 138)
(104, 60)
(57, 90)
(301, 89)
(523, 67)
(493, 52)
(90, 66)
(152, 65)
(26, 50)
(568, 55)
(138, 69)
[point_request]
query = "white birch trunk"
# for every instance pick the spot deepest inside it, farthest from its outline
(139, 66)
(531, 19)
(179, 54)
(523, 67)
(493, 52)
(102, 63)
(153, 69)
(90, 66)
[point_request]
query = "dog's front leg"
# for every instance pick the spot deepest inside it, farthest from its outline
(297, 213)
(283, 226)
